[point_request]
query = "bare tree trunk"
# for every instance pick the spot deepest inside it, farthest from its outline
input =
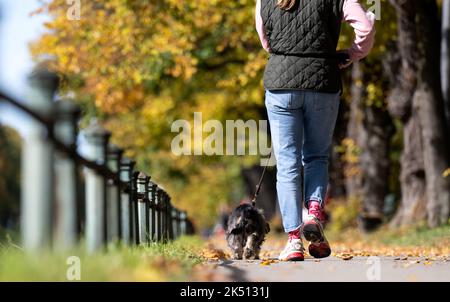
(370, 127)
(445, 58)
(374, 161)
(425, 192)
(353, 175)
(412, 206)
(412, 177)
(431, 107)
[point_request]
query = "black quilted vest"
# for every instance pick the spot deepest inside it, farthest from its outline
(303, 42)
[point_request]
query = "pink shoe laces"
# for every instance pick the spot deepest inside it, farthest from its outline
(294, 234)
(316, 210)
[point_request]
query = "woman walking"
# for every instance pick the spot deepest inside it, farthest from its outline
(303, 88)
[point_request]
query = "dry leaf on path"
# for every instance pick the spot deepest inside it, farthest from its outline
(267, 262)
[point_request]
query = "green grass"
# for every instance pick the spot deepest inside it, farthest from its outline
(416, 236)
(158, 262)
(412, 236)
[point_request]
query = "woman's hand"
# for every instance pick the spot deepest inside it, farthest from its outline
(344, 60)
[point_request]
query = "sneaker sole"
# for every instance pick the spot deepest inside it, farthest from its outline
(319, 246)
(313, 233)
(319, 250)
(294, 258)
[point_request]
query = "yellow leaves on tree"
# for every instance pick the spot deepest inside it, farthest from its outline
(140, 65)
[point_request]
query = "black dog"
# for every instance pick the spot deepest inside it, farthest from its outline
(246, 231)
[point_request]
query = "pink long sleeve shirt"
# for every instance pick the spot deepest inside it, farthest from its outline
(363, 24)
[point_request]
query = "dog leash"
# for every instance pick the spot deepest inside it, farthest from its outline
(258, 187)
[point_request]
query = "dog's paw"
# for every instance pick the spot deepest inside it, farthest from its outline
(249, 255)
(236, 255)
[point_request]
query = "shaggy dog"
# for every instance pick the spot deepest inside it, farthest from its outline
(246, 231)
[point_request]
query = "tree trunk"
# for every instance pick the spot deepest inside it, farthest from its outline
(370, 127)
(445, 58)
(376, 132)
(417, 100)
(353, 174)
(412, 176)
(432, 119)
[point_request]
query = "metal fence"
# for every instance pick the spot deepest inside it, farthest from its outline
(98, 194)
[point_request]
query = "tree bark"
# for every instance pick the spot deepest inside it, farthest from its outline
(432, 119)
(370, 126)
(445, 58)
(353, 175)
(412, 176)
(374, 160)
(417, 100)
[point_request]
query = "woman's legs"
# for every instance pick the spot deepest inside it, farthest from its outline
(302, 125)
(301, 120)
(320, 114)
(286, 124)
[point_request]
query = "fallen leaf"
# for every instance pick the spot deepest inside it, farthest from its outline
(267, 262)
(344, 256)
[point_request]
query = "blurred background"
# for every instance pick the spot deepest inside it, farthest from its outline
(137, 66)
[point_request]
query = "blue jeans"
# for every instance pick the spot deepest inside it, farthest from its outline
(302, 125)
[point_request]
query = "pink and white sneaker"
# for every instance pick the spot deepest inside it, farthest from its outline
(294, 250)
(313, 231)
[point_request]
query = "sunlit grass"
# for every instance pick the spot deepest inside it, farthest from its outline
(157, 262)
(412, 236)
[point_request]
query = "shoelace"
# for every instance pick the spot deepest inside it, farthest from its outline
(316, 210)
(294, 235)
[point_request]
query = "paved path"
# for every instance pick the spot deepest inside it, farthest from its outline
(331, 269)
(361, 263)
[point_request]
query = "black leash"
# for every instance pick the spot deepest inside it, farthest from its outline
(258, 187)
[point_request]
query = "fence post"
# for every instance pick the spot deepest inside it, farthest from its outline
(147, 210)
(142, 208)
(126, 175)
(183, 224)
(113, 209)
(152, 205)
(179, 223)
(97, 140)
(158, 213)
(174, 223)
(163, 216)
(134, 208)
(37, 168)
(67, 181)
(169, 218)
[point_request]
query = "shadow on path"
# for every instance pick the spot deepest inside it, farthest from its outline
(236, 274)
